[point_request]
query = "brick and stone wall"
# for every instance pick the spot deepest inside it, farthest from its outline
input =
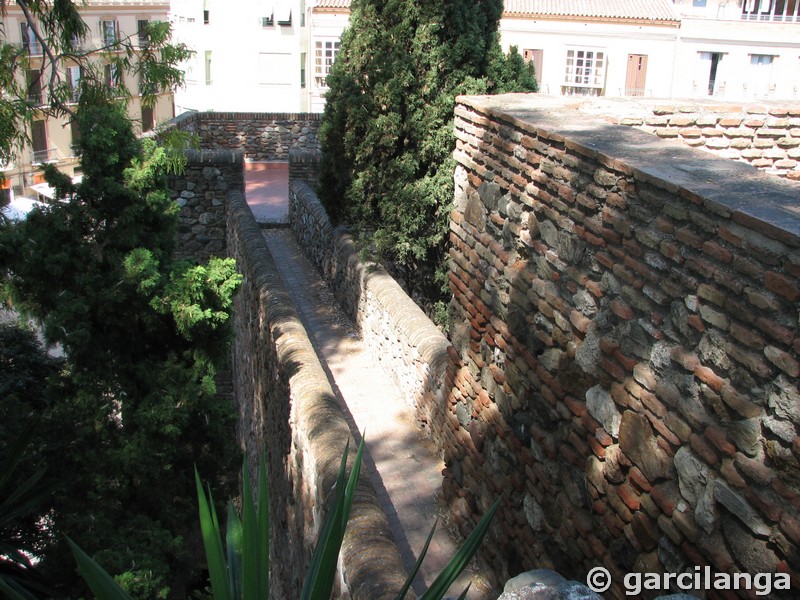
(763, 134)
(625, 317)
(400, 337)
(200, 193)
(262, 136)
(289, 411)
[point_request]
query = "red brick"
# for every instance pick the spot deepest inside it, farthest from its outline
(782, 285)
(707, 376)
(765, 502)
(774, 330)
(703, 449)
(753, 469)
(622, 309)
(639, 480)
(714, 250)
(666, 496)
(719, 439)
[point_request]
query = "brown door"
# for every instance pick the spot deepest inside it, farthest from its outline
(637, 74)
(39, 141)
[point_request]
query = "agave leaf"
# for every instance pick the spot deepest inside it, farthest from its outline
(326, 552)
(320, 577)
(101, 583)
(439, 587)
(12, 591)
(263, 533)
(250, 541)
(233, 538)
(464, 593)
(209, 526)
(417, 565)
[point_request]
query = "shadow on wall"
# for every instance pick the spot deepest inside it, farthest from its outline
(626, 314)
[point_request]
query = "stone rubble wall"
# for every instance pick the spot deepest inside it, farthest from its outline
(400, 337)
(765, 135)
(286, 405)
(200, 193)
(289, 410)
(262, 136)
(625, 317)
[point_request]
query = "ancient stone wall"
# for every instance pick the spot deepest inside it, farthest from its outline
(288, 410)
(400, 337)
(261, 136)
(625, 316)
(200, 193)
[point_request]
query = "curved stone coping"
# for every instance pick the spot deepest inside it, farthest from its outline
(335, 253)
(370, 563)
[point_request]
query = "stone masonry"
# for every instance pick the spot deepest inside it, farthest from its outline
(625, 316)
(261, 136)
(765, 135)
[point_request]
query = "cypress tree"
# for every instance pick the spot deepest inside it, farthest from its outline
(387, 131)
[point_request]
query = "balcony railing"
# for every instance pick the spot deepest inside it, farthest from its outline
(781, 11)
(44, 156)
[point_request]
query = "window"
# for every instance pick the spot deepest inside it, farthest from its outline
(268, 21)
(33, 79)
(699, 3)
(760, 82)
(148, 119)
(206, 17)
(74, 80)
(283, 8)
(146, 87)
(303, 56)
(585, 72)
(111, 75)
(41, 153)
(771, 10)
(708, 81)
(109, 32)
(29, 42)
(76, 136)
(324, 55)
(141, 30)
(208, 67)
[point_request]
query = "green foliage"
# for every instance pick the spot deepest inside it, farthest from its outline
(143, 336)
(387, 131)
(239, 569)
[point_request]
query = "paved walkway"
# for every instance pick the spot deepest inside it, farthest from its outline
(401, 464)
(267, 191)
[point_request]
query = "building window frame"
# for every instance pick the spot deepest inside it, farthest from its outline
(109, 32)
(584, 71)
(325, 52)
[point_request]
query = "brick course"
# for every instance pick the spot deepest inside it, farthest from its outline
(651, 297)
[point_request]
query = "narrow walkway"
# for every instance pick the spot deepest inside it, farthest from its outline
(401, 464)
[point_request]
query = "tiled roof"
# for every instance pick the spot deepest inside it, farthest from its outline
(651, 10)
(344, 4)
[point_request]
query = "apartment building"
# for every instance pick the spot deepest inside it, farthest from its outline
(51, 138)
(275, 55)
(250, 56)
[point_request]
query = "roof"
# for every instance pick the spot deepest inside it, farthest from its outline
(331, 4)
(649, 10)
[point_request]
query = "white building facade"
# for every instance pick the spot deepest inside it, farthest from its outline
(274, 55)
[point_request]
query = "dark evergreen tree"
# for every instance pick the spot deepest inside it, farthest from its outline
(387, 131)
(143, 337)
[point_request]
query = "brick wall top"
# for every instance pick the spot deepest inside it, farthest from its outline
(730, 189)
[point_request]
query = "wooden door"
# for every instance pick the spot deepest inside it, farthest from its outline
(636, 75)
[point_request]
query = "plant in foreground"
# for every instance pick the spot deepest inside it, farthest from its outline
(240, 571)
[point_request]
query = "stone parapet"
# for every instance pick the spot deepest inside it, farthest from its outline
(200, 192)
(764, 134)
(401, 338)
(261, 136)
(624, 321)
(289, 411)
